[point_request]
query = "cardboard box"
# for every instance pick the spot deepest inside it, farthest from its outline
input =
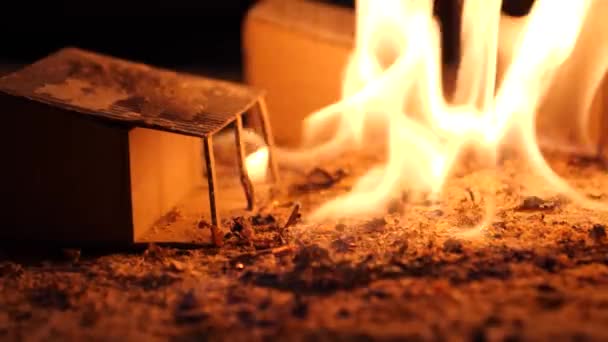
(97, 149)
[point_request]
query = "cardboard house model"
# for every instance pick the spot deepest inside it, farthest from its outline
(97, 149)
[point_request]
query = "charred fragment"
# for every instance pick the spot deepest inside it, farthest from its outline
(319, 179)
(242, 229)
(532, 203)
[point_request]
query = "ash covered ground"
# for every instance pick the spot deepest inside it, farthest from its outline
(537, 272)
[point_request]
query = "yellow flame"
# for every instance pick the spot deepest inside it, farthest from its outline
(392, 90)
(394, 81)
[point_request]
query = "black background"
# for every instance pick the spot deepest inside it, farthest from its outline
(172, 33)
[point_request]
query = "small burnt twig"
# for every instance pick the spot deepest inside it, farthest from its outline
(293, 217)
(471, 194)
(276, 250)
(532, 203)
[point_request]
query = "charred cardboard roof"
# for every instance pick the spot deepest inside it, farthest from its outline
(135, 94)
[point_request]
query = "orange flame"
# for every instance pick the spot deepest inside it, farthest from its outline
(393, 88)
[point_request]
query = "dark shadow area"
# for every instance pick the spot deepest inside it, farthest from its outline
(203, 36)
(179, 33)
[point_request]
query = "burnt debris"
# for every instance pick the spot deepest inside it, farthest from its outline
(318, 179)
(533, 203)
(598, 232)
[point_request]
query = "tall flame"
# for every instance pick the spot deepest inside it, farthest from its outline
(393, 88)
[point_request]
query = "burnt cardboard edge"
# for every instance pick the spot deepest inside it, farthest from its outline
(119, 119)
(207, 124)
